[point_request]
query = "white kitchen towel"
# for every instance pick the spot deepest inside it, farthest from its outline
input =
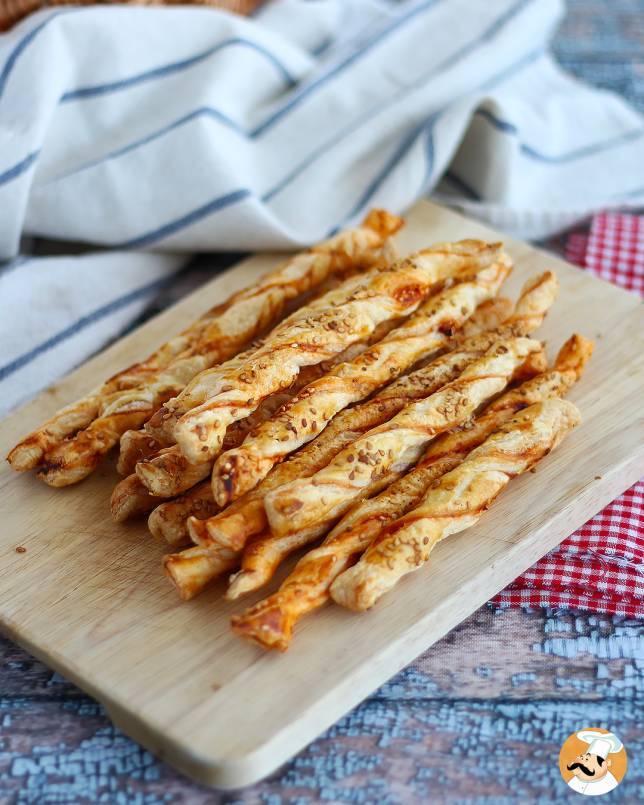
(183, 129)
(57, 311)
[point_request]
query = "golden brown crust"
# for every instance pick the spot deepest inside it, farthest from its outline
(190, 570)
(395, 292)
(169, 473)
(197, 391)
(270, 622)
(455, 502)
(307, 414)
(488, 316)
(131, 499)
(168, 521)
(136, 445)
(246, 519)
(227, 527)
(395, 445)
(269, 552)
(213, 338)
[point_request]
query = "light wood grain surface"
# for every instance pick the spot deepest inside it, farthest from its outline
(88, 598)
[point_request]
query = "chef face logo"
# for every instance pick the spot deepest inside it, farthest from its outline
(593, 761)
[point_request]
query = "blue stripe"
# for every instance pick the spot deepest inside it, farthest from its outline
(252, 134)
(449, 62)
(231, 198)
(499, 124)
(175, 67)
(19, 167)
(408, 143)
(215, 114)
(81, 324)
(368, 45)
(487, 35)
(430, 159)
(203, 111)
(149, 75)
(577, 153)
(186, 220)
(384, 173)
(24, 43)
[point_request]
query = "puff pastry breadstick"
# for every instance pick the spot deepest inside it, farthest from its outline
(394, 292)
(79, 414)
(270, 622)
(308, 413)
(245, 520)
(137, 445)
(218, 335)
(535, 298)
(130, 499)
(169, 473)
(162, 424)
(74, 459)
(487, 316)
(190, 570)
(372, 462)
(246, 516)
(456, 502)
(394, 446)
(168, 521)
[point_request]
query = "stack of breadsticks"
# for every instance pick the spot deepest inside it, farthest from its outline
(373, 402)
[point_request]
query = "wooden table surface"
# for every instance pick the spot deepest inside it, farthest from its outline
(479, 718)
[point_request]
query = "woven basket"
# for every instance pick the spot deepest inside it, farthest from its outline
(13, 10)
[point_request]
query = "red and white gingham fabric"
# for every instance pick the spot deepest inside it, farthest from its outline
(601, 566)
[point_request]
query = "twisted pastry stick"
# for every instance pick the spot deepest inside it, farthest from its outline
(261, 559)
(137, 445)
(456, 502)
(190, 570)
(169, 473)
(215, 337)
(532, 307)
(390, 449)
(246, 516)
(394, 292)
(270, 622)
(245, 519)
(167, 522)
(487, 316)
(130, 499)
(162, 424)
(307, 414)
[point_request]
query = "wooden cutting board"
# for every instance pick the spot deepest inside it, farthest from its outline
(89, 599)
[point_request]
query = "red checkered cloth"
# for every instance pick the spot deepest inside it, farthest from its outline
(601, 566)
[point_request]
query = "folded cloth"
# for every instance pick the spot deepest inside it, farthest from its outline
(57, 311)
(188, 128)
(601, 566)
(183, 129)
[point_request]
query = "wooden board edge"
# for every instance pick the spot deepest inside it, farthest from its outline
(268, 757)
